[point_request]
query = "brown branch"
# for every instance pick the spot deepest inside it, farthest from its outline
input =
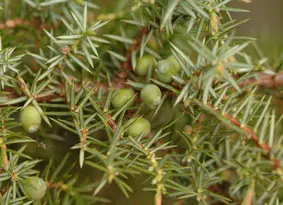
(268, 81)
(250, 133)
(127, 65)
(47, 97)
(254, 138)
(158, 198)
(52, 96)
(3, 147)
(265, 80)
(35, 23)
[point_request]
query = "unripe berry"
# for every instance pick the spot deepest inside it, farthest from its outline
(138, 126)
(164, 115)
(122, 96)
(175, 63)
(143, 65)
(151, 95)
(30, 119)
(167, 68)
(165, 71)
(34, 188)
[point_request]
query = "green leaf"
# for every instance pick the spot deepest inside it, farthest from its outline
(169, 12)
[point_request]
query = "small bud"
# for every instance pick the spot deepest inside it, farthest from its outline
(214, 23)
(91, 33)
(188, 129)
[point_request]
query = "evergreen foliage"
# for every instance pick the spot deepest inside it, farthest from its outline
(213, 137)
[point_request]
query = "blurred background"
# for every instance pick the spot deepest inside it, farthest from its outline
(265, 24)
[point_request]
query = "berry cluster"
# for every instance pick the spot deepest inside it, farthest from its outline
(150, 95)
(34, 187)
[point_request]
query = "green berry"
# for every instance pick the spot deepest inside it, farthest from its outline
(138, 126)
(151, 95)
(34, 188)
(165, 115)
(165, 71)
(174, 63)
(30, 119)
(122, 96)
(143, 65)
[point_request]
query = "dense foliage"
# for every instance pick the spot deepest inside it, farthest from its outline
(158, 95)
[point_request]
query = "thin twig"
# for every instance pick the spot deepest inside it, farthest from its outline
(265, 80)
(35, 23)
(251, 134)
(265, 147)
